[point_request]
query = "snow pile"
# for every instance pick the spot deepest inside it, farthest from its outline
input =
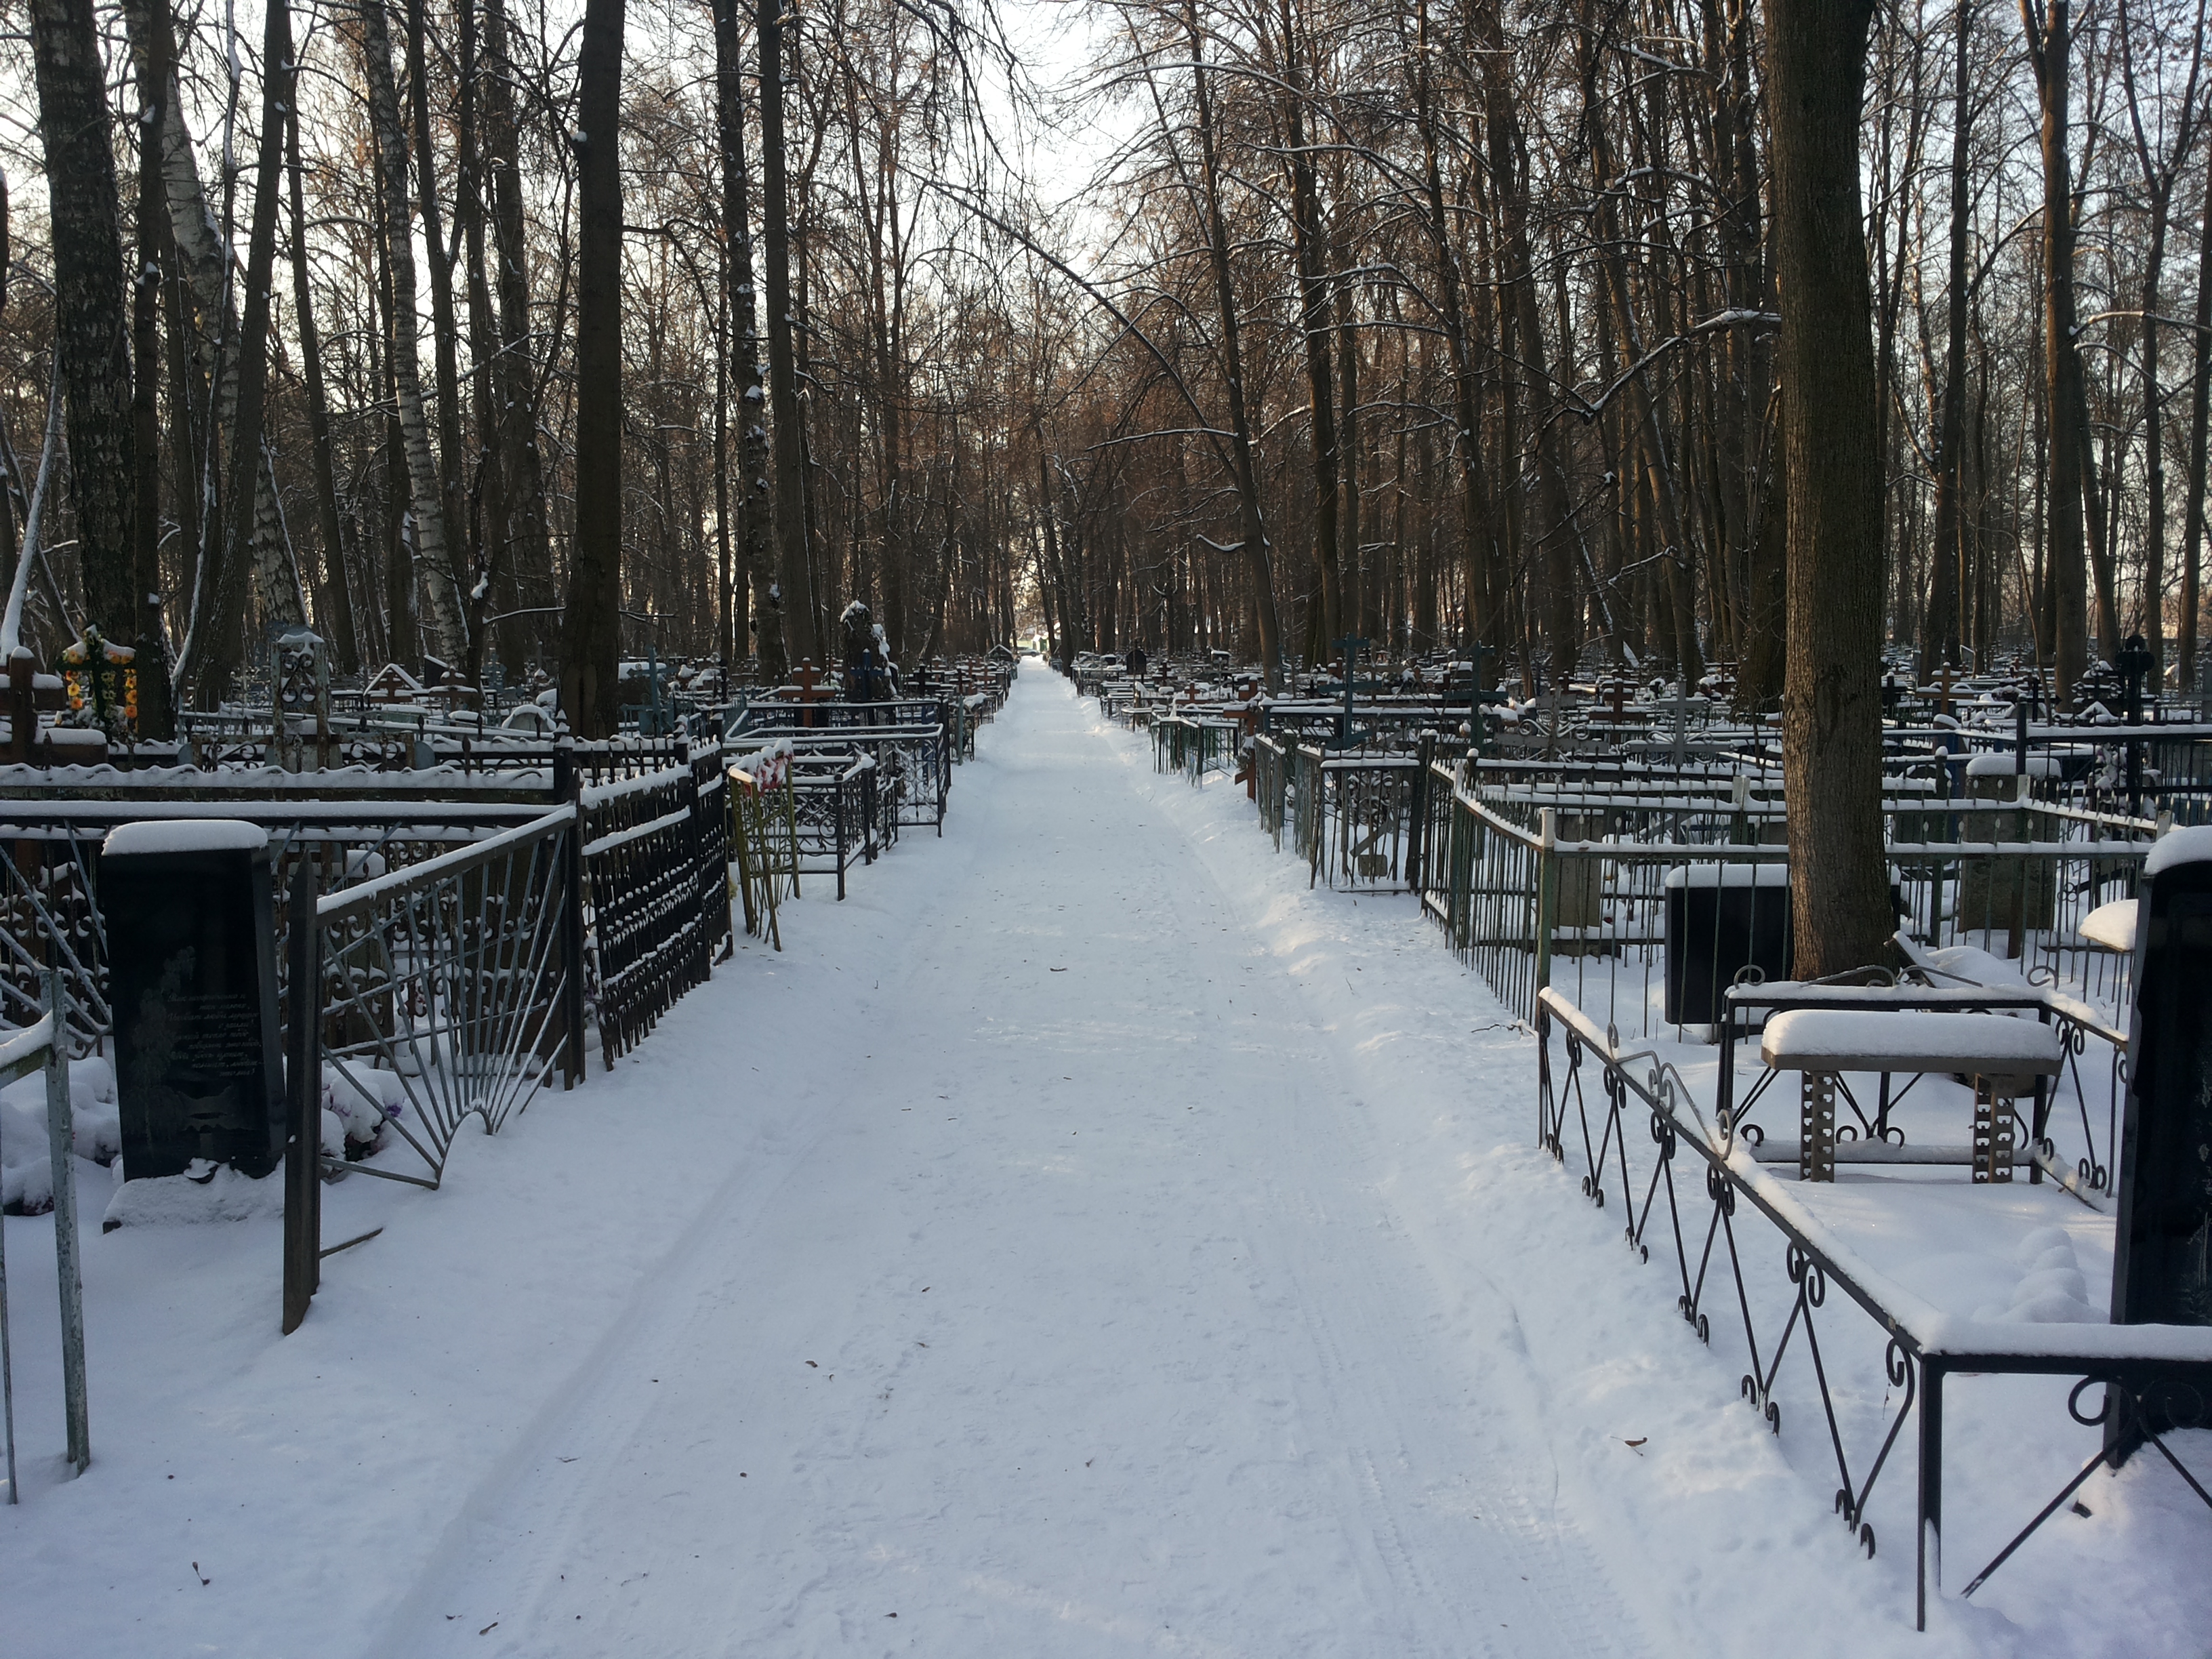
(27, 1179)
(2190, 846)
(1974, 965)
(358, 1100)
(184, 836)
(206, 1192)
(2051, 1290)
(2113, 926)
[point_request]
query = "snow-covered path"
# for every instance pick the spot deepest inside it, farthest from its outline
(1085, 1240)
(1064, 1317)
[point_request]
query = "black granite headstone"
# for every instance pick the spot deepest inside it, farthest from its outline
(192, 931)
(2162, 1256)
(1720, 920)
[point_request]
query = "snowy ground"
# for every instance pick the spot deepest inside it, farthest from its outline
(1082, 1241)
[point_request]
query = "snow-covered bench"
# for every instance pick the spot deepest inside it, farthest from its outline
(1999, 1052)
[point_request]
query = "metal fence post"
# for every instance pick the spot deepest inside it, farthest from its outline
(303, 1136)
(837, 797)
(574, 1061)
(1418, 813)
(1547, 896)
(60, 1138)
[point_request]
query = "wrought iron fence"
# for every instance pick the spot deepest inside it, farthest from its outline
(1624, 1145)
(843, 812)
(1538, 885)
(1271, 773)
(1367, 805)
(656, 888)
(448, 989)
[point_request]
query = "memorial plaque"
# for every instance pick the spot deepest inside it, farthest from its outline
(192, 985)
(2162, 1259)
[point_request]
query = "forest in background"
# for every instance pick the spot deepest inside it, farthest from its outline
(1446, 325)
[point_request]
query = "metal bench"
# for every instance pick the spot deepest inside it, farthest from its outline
(1998, 1052)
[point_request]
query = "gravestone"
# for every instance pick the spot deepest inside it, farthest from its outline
(299, 683)
(2012, 895)
(1721, 919)
(192, 947)
(2162, 1258)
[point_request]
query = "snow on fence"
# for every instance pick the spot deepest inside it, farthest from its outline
(1625, 1121)
(910, 743)
(655, 891)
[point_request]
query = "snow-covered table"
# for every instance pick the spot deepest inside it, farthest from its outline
(1996, 1050)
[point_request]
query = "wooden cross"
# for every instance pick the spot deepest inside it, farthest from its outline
(811, 690)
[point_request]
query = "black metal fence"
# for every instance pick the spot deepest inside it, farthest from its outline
(1628, 1124)
(655, 884)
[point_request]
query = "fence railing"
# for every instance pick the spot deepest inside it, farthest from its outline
(1195, 745)
(655, 861)
(1687, 1194)
(447, 990)
(1581, 892)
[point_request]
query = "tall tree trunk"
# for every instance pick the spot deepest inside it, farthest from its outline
(1257, 560)
(591, 634)
(486, 500)
(2187, 634)
(755, 500)
(1831, 703)
(794, 589)
(433, 566)
(1939, 644)
(91, 315)
(1478, 517)
(402, 637)
(2050, 47)
(463, 559)
(1307, 242)
(217, 657)
(524, 545)
(157, 694)
(204, 312)
(1548, 543)
(345, 641)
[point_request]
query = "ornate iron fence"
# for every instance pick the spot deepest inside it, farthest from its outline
(448, 989)
(2148, 1377)
(656, 890)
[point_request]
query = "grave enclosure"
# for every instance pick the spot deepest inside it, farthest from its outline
(393, 920)
(1612, 860)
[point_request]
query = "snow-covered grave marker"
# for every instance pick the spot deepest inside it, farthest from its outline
(191, 932)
